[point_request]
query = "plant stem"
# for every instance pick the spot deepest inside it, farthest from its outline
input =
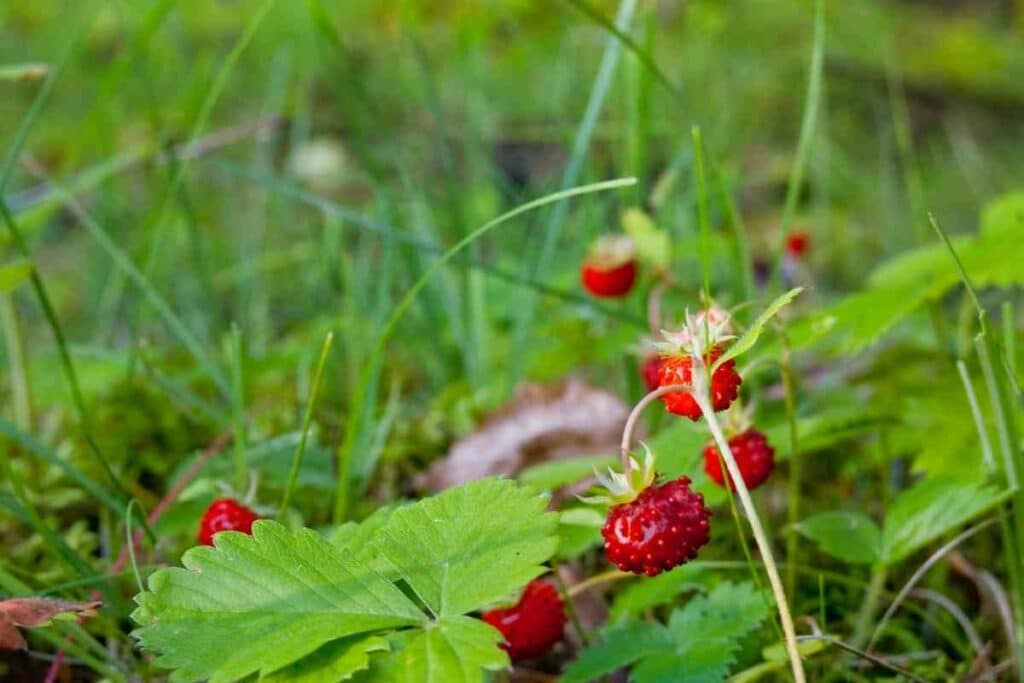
(862, 627)
(634, 417)
(795, 470)
(701, 395)
(570, 607)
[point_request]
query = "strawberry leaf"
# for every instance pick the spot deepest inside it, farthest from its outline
(338, 660)
(469, 546)
(280, 594)
(699, 644)
(454, 649)
(749, 338)
(848, 536)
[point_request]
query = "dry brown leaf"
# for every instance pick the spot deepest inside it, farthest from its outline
(30, 612)
(544, 422)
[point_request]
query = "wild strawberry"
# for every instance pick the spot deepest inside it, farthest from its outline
(533, 625)
(754, 456)
(662, 528)
(225, 514)
(649, 371)
(677, 369)
(797, 243)
(610, 269)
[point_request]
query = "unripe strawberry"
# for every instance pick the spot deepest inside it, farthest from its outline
(662, 528)
(533, 625)
(754, 456)
(610, 269)
(725, 383)
(225, 514)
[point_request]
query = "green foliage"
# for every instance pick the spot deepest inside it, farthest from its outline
(305, 608)
(14, 273)
(700, 642)
(847, 536)
(652, 244)
(751, 335)
(920, 515)
(640, 596)
(931, 509)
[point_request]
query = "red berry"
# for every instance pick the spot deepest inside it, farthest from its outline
(797, 243)
(225, 514)
(533, 625)
(754, 456)
(649, 371)
(610, 282)
(663, 528)
(725, 384)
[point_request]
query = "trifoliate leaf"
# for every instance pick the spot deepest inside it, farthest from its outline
(469, 546)
(278, 595)
(651, 243)
(452, 650)
(749, 338)
(931, 509)
(338, 660)
(847, 536)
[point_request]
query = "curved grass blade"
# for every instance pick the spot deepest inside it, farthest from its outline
(629, 44)
(749, 338)
(346, 451)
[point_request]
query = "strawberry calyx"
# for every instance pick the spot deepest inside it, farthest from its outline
(622, 488)
(699, 333)
(611, 251)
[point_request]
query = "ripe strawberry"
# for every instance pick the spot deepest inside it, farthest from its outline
(649, 371)
(610, 268)
(661, 529)
(725, 384)
(754, 456)
(225, 514)
(533, 625)
(797, 243)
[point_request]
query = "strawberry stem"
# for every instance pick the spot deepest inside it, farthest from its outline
(634, 417)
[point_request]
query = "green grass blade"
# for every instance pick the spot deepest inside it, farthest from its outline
(345, 452)
(307, 421)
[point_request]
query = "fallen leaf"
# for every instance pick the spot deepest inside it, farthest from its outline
(29, 612)
(544, 422)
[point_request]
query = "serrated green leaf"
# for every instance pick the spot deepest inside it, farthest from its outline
(932, 508)
(13, 274)
(848, 536)
(749, 338)
(640, 596)
(652, 244)
(621, 644)
(336, 661)
(454, 649)
(706, 634)
(699, 644)
(280, 594)
(469, 546)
